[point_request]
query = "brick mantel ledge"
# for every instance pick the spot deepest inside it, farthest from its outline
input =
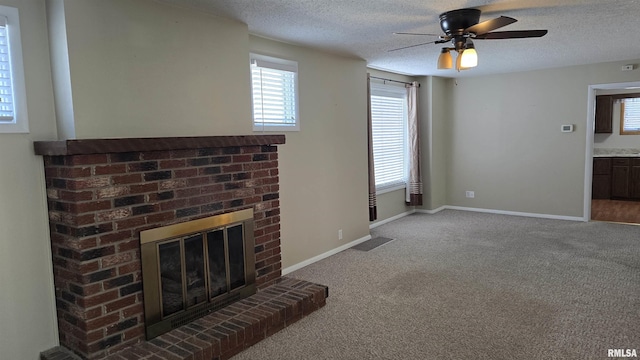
(119, 145)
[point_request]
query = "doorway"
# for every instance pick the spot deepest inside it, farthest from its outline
(605, 209)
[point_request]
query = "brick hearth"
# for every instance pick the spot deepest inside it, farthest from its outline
(225, 333)
(103, 192)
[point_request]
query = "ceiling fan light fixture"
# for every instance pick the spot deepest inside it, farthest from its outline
(445, 60)
(462, 25)
(469, 58)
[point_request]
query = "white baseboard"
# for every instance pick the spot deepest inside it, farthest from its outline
(302, 264)
(431, 212)
(515, 213)
(382, 222)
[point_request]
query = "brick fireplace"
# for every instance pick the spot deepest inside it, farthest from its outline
(103, 192)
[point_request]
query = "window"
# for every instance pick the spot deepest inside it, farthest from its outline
(274, 86)
(389, 128)
(630, 116)
(13, 103)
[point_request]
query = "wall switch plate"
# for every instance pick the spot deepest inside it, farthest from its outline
(470, 194)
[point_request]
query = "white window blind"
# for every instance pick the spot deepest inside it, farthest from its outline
(631, 115)
(274, 84)
(389, 119)
(13, 98)
(7, 110)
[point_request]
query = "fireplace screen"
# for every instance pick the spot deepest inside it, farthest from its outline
(193, 268)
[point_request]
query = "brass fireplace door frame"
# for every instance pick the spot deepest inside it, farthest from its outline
(155, 323)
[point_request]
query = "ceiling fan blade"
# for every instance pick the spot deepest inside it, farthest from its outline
(410, 46)
(497, 35)
(490, 25)
(406, 33)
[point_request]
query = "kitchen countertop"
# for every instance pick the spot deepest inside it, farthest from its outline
(615, 155)
(616, 152)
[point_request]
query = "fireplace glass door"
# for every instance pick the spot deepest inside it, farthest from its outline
(183, 268)
(182, 274)
(185, 276)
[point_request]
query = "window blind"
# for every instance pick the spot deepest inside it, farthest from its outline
(7, 111)
(388, 117)
(274, 94)
(631, 114)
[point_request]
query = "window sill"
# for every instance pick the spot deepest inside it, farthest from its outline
(276, 129)
(14, 128)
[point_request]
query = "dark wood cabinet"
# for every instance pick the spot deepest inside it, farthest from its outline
(634, 179)
(616, 178)
(601, 186)
(604, 114)
(620, 174)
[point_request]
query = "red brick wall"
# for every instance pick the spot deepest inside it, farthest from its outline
(98, 204)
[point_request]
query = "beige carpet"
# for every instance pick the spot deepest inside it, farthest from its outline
(463, 285)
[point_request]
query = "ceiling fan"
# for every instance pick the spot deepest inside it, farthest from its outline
(461, 27)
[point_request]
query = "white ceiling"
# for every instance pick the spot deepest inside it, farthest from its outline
(580, 31)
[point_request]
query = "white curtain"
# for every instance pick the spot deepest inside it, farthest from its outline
(414, 183)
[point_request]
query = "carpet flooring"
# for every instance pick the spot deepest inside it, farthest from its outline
(464, 285)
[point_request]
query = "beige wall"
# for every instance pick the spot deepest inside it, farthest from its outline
(142, 68)
(434, 111)
(391, 204)
(60, 73)
(27, 308)
(505, 141)
(323, 167)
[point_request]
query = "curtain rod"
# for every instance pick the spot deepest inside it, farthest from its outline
(383, 79)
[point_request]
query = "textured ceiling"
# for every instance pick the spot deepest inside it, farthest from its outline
(580, 31)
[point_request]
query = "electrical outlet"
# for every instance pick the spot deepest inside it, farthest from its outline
(627, 67)
(340, 234)
(470, 194)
